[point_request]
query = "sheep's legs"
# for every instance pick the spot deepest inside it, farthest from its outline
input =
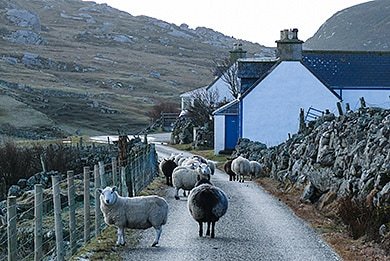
(208, 229)
(121, 237)
(212, 229)
(200, 229)
(157, 238)
(177, 194)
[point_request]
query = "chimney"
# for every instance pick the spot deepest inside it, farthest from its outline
(289, 46)
(237, 52)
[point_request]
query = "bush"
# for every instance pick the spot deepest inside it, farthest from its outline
(155, 113)
(361, 219)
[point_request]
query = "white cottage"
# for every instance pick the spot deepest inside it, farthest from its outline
(273, 91)
(219, 87)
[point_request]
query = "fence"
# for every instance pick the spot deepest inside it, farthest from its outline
(55, 222)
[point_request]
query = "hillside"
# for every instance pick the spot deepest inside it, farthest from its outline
(363, 27)
(85, 68)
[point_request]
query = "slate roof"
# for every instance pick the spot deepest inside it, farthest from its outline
(356, 70)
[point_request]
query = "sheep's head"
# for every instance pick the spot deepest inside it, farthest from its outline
(204, 169)
(108, 195)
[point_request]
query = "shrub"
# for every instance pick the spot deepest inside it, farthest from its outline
(361, 219)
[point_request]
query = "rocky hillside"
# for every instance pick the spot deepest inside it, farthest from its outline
(80, 67)
(363, 27)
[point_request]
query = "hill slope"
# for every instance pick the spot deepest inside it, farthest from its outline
(91, 68)
(363, 27)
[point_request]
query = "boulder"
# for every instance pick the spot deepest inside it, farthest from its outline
(24, 18)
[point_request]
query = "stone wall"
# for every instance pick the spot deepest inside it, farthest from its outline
(347, 156)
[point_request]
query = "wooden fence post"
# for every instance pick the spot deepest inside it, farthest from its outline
(38, 211)
(87, 221)
(98, 214)
(340, 108)
(103, 182)
(114, 172)
(11, 228)
(72, 211)
(57, 217)
(125, 189)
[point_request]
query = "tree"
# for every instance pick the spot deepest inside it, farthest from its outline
(228, 69)
(203, 104)
(157, 109)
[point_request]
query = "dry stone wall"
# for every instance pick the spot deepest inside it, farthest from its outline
(334, 157)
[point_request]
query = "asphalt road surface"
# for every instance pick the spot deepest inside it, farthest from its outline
(256, 226)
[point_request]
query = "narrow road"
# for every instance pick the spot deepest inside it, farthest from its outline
(255, 227)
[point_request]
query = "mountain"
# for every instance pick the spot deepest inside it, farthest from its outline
(363, 27)
(68, 66)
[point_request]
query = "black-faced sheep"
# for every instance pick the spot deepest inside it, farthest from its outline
(228, 169)
(135, 213)
(166, 167)
(241, 167)
(185, 178)
(207, 203)
(255, 169)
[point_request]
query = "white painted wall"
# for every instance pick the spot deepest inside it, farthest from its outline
(271, 109)
(219, 133)
(222, 89)
(373, 98)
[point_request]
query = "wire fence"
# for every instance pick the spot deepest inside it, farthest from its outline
(51, 224)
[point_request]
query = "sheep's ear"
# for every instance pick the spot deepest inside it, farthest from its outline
(99, 190)
(114, 188)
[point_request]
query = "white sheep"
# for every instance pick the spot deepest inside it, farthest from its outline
(255, 169)
(241, 167)
(135, 213)
(185, 178)
(197, 160)
(207, 203)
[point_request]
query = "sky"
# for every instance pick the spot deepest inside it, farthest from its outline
(257, 21)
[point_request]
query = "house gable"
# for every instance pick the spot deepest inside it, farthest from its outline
(270, 110)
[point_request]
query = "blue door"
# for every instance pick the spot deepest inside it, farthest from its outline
(231, 131)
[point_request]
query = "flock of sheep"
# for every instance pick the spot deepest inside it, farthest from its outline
(206, 202)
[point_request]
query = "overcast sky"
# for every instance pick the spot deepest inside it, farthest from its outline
(253, 20)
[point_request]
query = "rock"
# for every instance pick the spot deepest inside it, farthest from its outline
(14, 190)
(24, 18)
(25, 37)
(310, 194)
(383, 230)
(22, 183)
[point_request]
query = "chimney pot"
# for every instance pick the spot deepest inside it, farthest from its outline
(295, 33)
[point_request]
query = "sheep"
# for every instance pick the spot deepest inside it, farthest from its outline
(166, 167)
(241, 167)
(185, 178)
(228, 169)
(255, 169)
(204, 160)
(207, 203)
(135, 213)
(177, 157)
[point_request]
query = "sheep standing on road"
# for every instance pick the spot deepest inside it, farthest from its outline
(241, 167)
(185, 178)
(207, 203)
(135, 213)
(166, 167)
(255, 169)
(228, 169)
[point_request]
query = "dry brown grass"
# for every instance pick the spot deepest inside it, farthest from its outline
(337, 235)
